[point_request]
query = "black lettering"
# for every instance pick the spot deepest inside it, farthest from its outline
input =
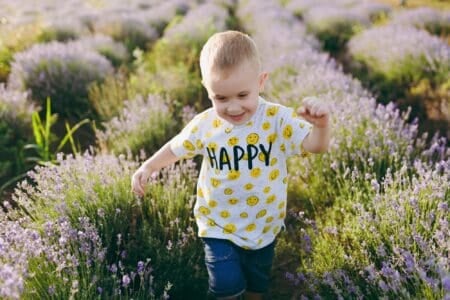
(238, 154)
(251, 155)
(212, 157)
(266, 153)
(224, 159)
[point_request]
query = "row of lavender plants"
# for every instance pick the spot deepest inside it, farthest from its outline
(399, 61)
(74, 74)
(91, 236)
(363, 221)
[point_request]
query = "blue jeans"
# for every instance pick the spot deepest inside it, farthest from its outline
(233, 270)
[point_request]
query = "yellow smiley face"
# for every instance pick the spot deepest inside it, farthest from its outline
(287, 132)
(274, 174)
(212, 203)
(211, 223)
(266, 228)
(271, 198)
(252, 200)
(269, 219)
(283, 147)
(234, 174)
(262, 157)
(188, 145)
(266, 126)
(228, 191)
(202, 232)
(200, 192)
(272, 111)
(229, 228)
(194, 129)
(281, 205)
(276, 230)
(250, 227)
(255, 172)
(252, 138)
(224, 214)
(216, 123)
(233, 201)
(232, 141)
(243, 215)
(199, 144)
(271, 138)
(248, 186)
(273, 161)
(281, 215)
(215, 182)
(266, 189)
(204, 210)
(261, 213)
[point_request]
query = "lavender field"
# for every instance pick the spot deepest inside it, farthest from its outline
(91, 88)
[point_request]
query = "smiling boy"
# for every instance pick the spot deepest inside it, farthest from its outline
(242, 186)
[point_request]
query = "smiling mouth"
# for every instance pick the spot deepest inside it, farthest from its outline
(237, 117)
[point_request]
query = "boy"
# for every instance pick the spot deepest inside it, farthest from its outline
(242, 187)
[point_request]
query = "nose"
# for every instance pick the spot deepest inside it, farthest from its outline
(234, 107)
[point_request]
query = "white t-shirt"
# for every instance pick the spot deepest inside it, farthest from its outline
(242, 186)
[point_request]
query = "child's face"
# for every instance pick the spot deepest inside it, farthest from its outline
(234, 94)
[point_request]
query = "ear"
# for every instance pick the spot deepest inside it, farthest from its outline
(262, 79)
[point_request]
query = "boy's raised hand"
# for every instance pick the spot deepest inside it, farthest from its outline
(315, 111)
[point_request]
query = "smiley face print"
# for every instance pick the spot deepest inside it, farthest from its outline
(250, 227)
(204, 210)
(188, 145)
(215, 182)
(252, 200)
(229, 228)
(233, 141)
(233, 201)
(287, 132)
(274, 174)
(255, 172)
(272, 111)
(252, 138)
(234, 174)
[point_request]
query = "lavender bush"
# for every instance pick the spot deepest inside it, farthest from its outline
(15, 132)
(158, 227)
(436, 22)
(62, 31)
(335, 25)
(402, 53)
(371, 147)
(61, 72)
(115, 52)
(127, 28)
(143, 124)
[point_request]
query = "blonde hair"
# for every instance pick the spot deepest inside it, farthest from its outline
(225, 50)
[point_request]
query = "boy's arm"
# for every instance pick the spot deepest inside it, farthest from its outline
(317, 140)
(317, 113)
(162, 158)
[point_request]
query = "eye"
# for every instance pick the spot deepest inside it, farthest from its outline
(220, 99)
(243, 95)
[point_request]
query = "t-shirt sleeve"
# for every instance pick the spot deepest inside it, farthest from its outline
(187, 143)
(293, 131)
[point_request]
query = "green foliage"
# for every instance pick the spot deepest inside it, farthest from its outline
(172, 69)
(44, 138)
(107, 98)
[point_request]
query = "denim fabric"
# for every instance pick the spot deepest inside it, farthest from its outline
(233, 270)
